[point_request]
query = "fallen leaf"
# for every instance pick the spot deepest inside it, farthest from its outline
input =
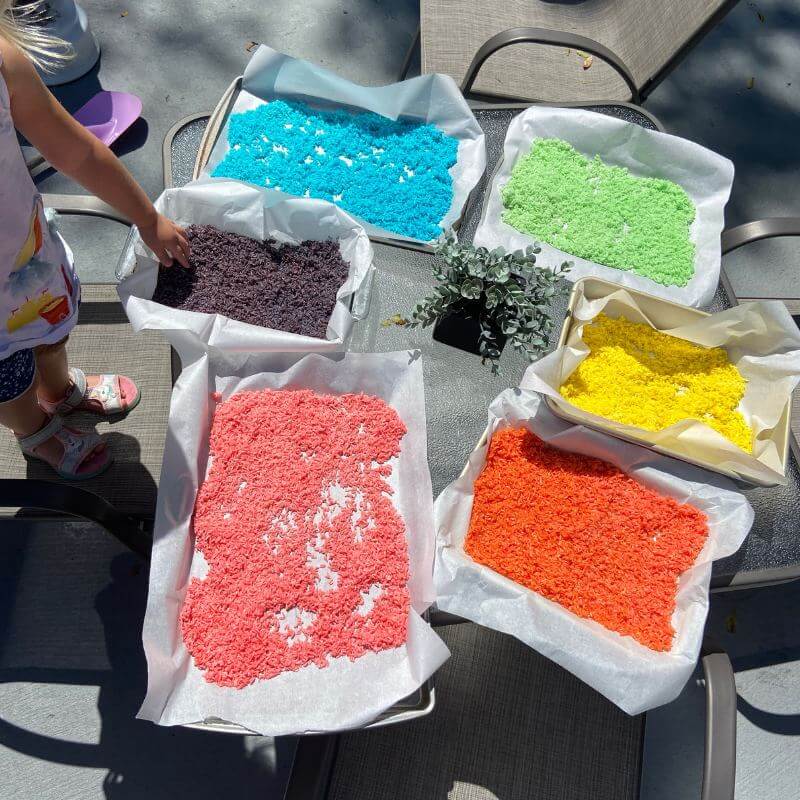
(250, 46)
(124, 14)
(395, 319)
(730, 622)
(761, 17)
(751, 82)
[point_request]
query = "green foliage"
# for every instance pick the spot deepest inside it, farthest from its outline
(511, 293)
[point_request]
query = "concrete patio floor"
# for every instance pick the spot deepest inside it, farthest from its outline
(72, 602)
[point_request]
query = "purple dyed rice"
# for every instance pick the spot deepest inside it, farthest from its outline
(285, 287)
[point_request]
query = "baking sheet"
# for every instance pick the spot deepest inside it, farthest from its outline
(626, 672)
(246, 210)
(346, 694)
(705, 176)
(433, 99)
(763, 343)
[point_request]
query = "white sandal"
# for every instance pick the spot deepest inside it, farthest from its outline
(77, 446)
(105, 398)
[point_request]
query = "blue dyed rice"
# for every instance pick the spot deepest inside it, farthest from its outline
(393, 174)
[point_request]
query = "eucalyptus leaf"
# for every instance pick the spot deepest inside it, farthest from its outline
(500, 273)
(494, 296)
(471, 288)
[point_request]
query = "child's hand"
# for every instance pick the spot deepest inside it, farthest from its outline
(167, 240)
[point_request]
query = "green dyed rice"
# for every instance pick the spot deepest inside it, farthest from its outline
(601, 213)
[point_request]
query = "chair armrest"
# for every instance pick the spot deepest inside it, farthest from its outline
(409, 55)
(66, 499)
(719, 764)
(169, 138)
(545, 36)
(84, 205)
(768, 228)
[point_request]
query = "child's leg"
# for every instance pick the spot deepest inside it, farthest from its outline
(22, 413)
(51, 364)
(20, 410)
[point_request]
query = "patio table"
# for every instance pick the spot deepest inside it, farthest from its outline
(459, 389)
(554, 706)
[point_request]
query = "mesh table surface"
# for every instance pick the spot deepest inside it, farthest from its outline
(459, 389)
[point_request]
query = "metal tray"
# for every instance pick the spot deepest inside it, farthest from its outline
(665, 314)
(419, 704)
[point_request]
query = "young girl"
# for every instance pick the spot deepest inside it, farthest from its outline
(39, 290)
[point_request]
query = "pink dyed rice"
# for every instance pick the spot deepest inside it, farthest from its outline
(299, 572)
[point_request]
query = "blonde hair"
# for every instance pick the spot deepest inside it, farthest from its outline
(22, 25)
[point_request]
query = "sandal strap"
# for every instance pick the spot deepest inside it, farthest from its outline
(30, 443)
(77, 447)
(107, 392)
(75, 397)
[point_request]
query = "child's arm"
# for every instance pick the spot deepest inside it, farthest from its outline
(70, 148)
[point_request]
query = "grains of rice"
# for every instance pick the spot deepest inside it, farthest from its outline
(602, 213)
(391, 173)
(643, 377)
(307, 556)
(286, 287)
(583, 534)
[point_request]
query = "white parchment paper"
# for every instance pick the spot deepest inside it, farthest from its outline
(345, 694)
(761, 341)
(246, 210)
(626, 672)
(705, 176)
(433, 99)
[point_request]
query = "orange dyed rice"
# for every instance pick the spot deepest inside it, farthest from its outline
(583, 534)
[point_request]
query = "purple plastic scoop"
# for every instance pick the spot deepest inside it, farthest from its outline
(109, 114)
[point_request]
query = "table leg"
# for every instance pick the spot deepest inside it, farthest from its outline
(312, 768)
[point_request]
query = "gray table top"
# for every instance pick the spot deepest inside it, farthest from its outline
(459, 388)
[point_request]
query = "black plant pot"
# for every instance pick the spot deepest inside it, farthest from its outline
(461, 328)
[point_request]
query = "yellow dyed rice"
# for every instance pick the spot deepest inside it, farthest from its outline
(642, 377)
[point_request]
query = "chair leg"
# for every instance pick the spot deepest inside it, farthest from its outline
(312, 768)
(719, 766)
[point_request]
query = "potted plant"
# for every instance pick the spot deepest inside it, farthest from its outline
(487, 297)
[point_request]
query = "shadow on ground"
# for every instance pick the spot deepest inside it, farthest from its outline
(758, 630)
(139, 759)
(738, 93)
